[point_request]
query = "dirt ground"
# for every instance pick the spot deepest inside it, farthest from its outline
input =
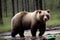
(58, 38)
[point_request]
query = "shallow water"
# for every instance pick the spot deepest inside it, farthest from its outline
(49, 31)
(26, 38)
(7, 36)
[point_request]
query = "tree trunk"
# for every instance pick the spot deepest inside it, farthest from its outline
(51, 5)
(59, 3)
(1, 20)
(28, 5)
(22, 5)
(17, 7)
(38, 4)
(5, 7)
(13, 7)
(43, 4)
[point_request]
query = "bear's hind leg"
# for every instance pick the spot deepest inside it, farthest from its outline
(14, 33)
(21, 33)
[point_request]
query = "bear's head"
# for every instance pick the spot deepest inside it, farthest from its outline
(42, 15)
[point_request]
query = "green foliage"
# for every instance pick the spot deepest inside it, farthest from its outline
(50, 4)
(2, 38)
(55, 18)
(6, 26)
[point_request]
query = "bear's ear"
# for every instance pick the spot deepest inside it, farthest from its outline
(48, 11)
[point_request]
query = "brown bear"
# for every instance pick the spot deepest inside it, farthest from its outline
(30, 20)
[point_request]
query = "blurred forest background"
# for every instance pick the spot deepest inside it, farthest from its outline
(8, 8)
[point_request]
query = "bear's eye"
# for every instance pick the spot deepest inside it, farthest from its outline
(39, 12)
(48, 11)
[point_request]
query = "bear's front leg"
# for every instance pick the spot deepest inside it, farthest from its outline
(42, 30)
(33, 32)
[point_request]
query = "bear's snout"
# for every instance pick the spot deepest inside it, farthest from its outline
(45, 18)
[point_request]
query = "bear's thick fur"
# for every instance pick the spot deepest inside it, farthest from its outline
(30, 20)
